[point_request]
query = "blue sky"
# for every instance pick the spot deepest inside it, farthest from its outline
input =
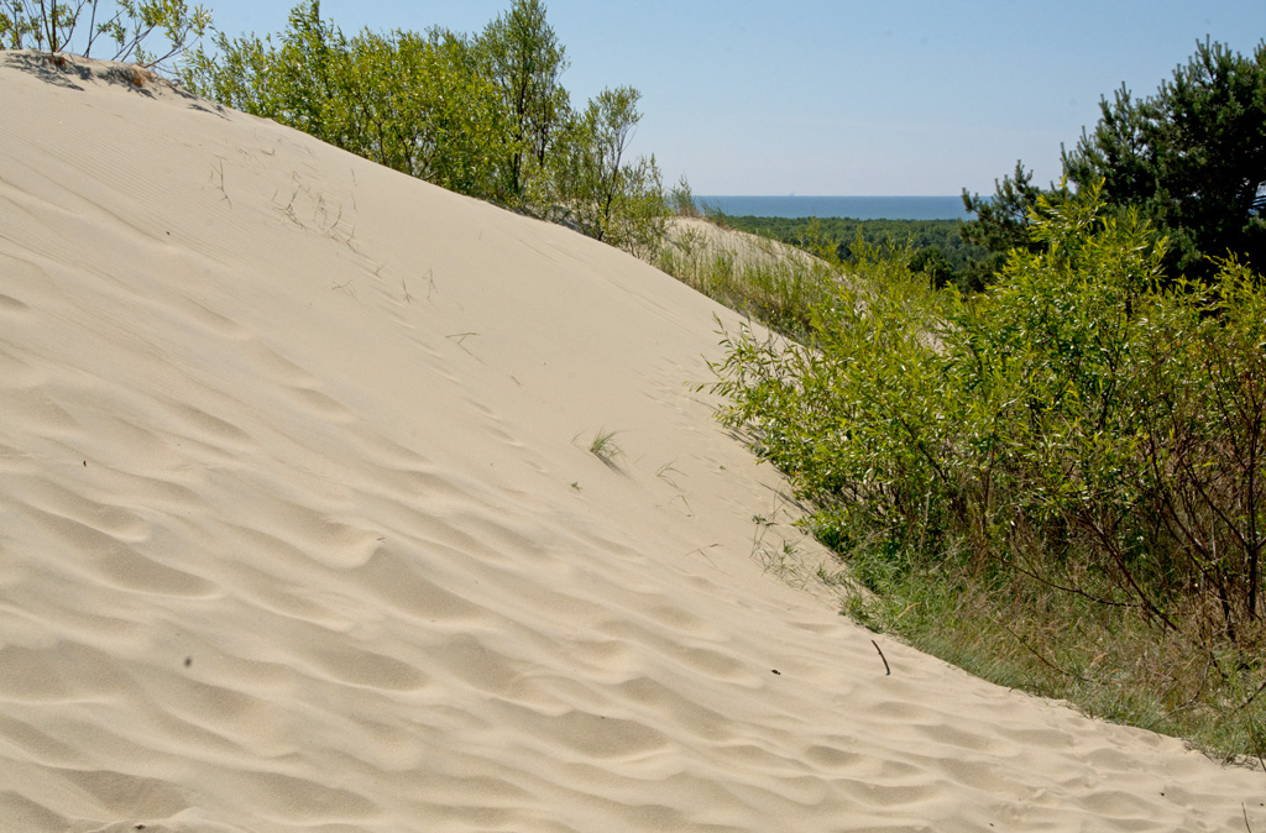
(818, 97)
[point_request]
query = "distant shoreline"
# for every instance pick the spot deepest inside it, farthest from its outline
(848, 207)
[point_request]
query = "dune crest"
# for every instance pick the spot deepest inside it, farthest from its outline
(301, 529)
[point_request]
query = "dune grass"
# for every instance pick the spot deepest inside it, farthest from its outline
(758, 278)
(604, 447)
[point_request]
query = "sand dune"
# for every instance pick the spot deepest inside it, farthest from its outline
(300, 530)
(704, 239)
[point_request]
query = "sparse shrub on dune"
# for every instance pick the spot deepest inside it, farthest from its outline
(681, 199)
(482, 114)
(770, 282)
(125, 29)
(594, 184)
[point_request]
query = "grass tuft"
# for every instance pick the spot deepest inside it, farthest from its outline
(604, 447)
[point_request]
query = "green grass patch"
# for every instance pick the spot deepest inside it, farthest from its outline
(1106, 661)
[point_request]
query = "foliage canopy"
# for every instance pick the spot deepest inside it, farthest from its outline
(1191, 159)
(520, 54)
(1088, 436)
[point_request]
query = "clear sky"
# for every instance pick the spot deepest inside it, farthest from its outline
(856, 98)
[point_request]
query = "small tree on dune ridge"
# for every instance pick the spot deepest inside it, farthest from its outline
(81, 25)
(520, 53)
(607, 195)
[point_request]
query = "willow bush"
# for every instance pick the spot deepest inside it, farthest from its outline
(1088, 435)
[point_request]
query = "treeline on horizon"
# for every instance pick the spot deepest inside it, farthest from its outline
(936, 249)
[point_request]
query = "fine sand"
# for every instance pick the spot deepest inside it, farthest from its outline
(300, 529)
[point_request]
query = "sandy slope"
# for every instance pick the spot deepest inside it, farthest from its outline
(299, 530)
(703, 238)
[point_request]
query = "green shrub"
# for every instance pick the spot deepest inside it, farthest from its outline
(857, 418)
(484, 115)
(593, 182)
(1083, 444)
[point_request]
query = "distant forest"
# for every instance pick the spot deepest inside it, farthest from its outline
(935, 248)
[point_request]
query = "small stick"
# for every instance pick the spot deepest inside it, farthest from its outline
(222, 190)
(1244, 810)
(460, 338)
(887, 668)
(1253, 697)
